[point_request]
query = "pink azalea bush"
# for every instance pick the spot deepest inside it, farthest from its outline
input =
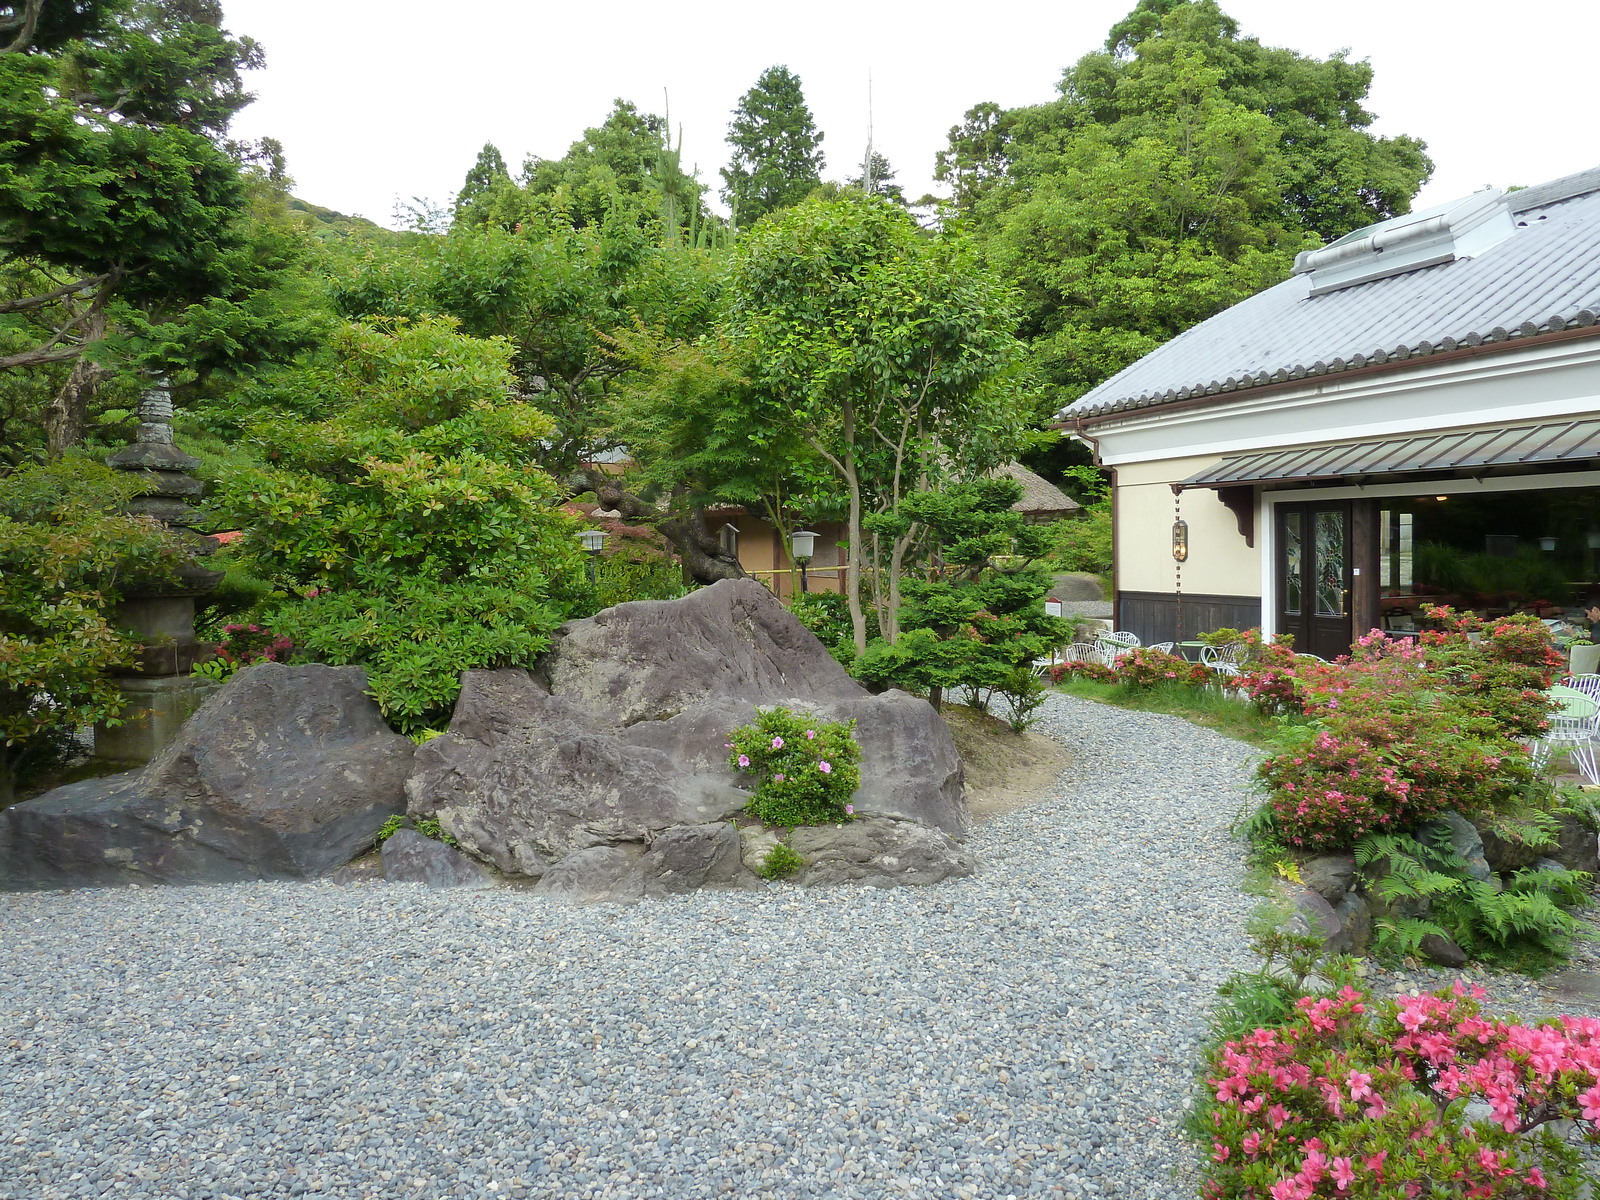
(805, 770)
(1402, 730)
(243, 646)
(1144, 668)
(1351, 1098)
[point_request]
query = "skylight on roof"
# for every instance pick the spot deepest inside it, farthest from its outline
(1461, 229)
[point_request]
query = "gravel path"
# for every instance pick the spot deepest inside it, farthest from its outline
(1031, 1031)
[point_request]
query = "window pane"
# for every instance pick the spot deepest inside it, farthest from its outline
(1292, 562)
(1330, 590)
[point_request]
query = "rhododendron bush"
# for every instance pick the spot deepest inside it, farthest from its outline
(1403, 730)
(1424, 1096)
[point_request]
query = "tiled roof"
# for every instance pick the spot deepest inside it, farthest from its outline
(1544, 277)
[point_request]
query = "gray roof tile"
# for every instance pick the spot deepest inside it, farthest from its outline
(1544, 277)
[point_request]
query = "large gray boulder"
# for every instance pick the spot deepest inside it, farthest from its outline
(879, 852)
(620, 736)
(524, 779)
(411, 857)
(284, 773)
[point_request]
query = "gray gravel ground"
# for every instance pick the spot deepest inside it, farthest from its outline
(1031, 1031)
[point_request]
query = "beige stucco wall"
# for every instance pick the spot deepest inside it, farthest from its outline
(1219, 563)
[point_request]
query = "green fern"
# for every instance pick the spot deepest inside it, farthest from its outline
(1523, 922)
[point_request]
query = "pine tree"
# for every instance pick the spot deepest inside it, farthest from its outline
(486, 171)
(776, 155)
(879, 179)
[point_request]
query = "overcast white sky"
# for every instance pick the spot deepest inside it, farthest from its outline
(379, 100)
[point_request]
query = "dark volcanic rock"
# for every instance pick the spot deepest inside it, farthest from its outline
(410, 857)
(693, 856)
(596, 874)
(653, 659)
(523, 779)
(1576, 847)
(1329, 875)
(286, 772)
(621, 737)
(879, 852)
(1442, 950)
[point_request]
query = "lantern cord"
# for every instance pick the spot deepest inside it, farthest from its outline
(1177, 563)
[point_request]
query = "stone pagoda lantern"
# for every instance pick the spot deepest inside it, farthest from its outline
(159, 689)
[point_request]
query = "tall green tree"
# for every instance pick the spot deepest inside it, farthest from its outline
(117, 186)
(1177, 173)
(777, 157)
(486, 171)
(877, 178)
(975, 159)
(890, 354)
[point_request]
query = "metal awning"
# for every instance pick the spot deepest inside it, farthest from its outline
(1547, 442)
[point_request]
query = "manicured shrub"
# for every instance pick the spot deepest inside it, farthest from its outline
(805, 770)
(67, 556)
(1095, 671)
(1355, 1098)
(1403, 730)
(1146, 668)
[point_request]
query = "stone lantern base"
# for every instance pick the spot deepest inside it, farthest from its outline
(157, 706)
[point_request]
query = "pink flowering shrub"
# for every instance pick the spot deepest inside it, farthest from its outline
(1402, 730)
(242, 646)
(1146, 668)
(1096, 671)
(1355, 1099)
(805, 770)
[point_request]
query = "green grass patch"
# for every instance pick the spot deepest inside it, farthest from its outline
(1202, 706)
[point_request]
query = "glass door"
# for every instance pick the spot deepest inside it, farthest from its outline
(1314, 576)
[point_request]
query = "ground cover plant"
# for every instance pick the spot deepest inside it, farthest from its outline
(1337, 1094)
(805, 770)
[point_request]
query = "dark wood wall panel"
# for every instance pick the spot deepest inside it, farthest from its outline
(1154, 615)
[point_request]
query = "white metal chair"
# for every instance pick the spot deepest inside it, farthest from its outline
(1113, 646)
(1082, 652)
(1574, 728)
(1226, 660)
(1163, 647)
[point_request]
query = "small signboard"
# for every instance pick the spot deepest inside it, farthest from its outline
(1052, 607)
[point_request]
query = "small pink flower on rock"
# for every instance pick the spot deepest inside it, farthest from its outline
(777, 743)
(744, 760)
(825, 767)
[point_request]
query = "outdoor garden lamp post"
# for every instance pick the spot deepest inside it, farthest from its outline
(801, 545)
(593, 541)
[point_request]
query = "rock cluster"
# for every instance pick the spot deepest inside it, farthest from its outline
(603, 776)
(606, 774)
(286, 773)
(1339, 902)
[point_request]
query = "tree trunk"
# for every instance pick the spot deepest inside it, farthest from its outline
(68, 413)
(852, 478)
(702, 555)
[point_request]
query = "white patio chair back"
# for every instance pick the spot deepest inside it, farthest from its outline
(1082, 652)
(1224, 660)
(1163, 647)
(1589, 685)
(1575, 729)
(1113, 646)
